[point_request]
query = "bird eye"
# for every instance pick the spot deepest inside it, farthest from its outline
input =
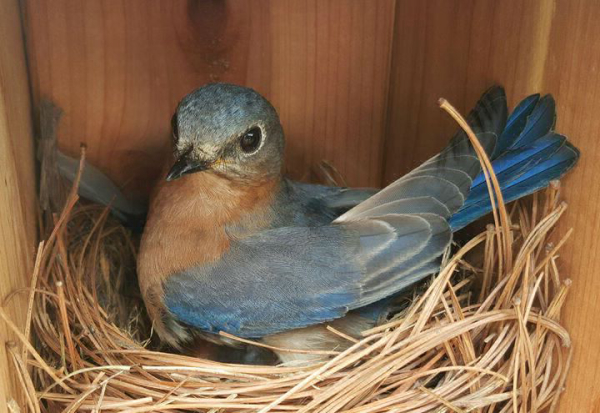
(174, 127)
(250, 141)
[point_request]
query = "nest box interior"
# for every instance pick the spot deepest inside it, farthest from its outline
(356, 83)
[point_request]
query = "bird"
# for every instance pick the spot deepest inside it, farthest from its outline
(231, 245)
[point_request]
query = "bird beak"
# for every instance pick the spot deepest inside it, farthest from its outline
(184, 165)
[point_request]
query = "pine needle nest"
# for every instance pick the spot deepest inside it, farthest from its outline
(484, 335)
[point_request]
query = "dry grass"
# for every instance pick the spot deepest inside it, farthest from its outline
(484, 336)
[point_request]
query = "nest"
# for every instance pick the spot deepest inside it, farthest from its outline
(484, 335)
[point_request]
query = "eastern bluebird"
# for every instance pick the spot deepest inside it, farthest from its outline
(232, 245)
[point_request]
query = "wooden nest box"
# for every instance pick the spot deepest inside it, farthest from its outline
(356, 83)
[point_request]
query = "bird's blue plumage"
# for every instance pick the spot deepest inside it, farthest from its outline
(258, 309)
(535, 178)
(515, 123)
(514, 161)
(540, 122)
(291, 277)
(533, 156)
(312, 254)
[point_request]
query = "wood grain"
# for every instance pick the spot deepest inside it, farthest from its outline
(572, 75)
(17, 193)
(455, 49)
(118, 69)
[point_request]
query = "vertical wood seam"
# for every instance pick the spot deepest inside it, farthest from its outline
(389, 101)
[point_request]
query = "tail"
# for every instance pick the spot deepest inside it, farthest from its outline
(527, 155)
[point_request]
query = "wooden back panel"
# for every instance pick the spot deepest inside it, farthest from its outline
(119, 68)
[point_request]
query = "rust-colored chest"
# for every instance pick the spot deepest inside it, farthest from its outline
(187, 225)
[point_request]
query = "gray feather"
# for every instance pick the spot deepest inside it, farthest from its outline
(97, 187)
(441, 189)
(416, 205)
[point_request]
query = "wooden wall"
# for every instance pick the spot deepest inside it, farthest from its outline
(356, 82)
(118, 69)
(17, 190)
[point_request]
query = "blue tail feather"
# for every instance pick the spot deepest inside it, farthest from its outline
(546, 170)
(526, 158)
(532, 180)
(540, 122)
(514, 161)
(516, 123)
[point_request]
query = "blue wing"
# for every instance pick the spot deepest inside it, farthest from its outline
(287, 278)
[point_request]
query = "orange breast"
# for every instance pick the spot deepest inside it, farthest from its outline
(186, 227)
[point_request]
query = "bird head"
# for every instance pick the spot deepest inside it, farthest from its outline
(228, 130)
